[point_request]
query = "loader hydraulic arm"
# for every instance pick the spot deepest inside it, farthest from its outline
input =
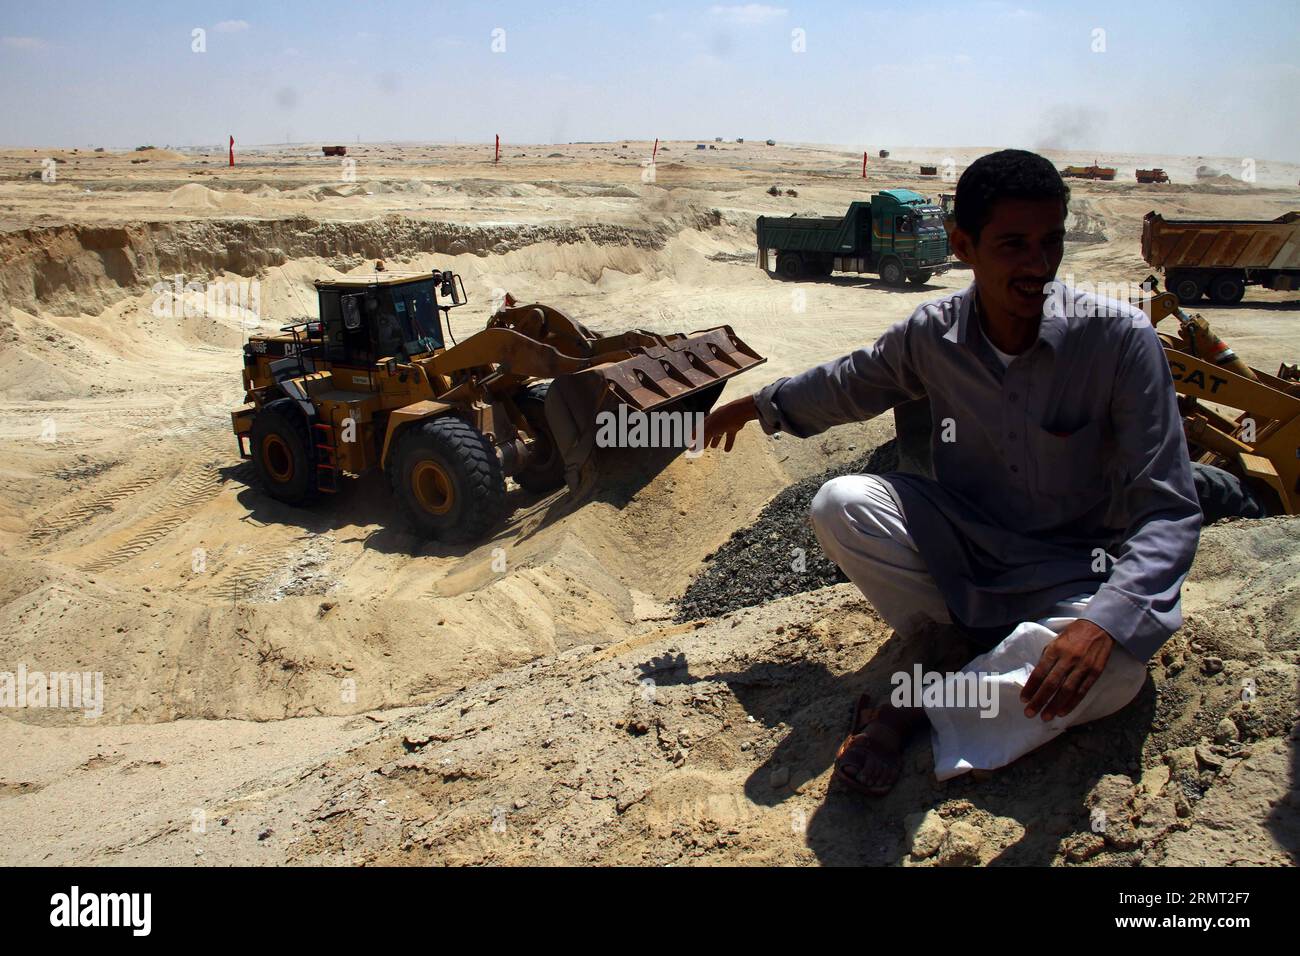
(513, 351)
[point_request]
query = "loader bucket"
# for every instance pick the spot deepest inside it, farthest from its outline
(680, 374)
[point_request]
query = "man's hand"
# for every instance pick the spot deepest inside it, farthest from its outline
(1070, 665)
(726, 420)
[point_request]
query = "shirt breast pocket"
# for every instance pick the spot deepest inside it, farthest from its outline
(1068, 463)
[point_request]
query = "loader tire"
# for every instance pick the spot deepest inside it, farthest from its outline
(1223, 495)
(282, 453)
(545, 472)
(448, 479)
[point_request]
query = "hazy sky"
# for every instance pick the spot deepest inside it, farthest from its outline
(1190, 77)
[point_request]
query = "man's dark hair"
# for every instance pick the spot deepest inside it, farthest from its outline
(1006, 174)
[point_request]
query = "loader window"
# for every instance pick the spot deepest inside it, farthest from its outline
(351, 308)
(343, 345)
(331, 320)
(415, 309)
(388, 330)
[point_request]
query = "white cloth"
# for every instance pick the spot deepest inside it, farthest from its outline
(962, 739)
(862, 530)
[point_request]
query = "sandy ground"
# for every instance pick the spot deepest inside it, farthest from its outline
(319, 686)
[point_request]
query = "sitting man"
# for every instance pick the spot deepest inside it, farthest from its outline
(1062, 492)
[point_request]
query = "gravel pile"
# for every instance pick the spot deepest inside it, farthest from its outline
(763, 561)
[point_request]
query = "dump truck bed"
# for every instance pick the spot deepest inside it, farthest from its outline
(837, 235)
(1221, 243)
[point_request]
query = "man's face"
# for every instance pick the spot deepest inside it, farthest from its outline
(1017, 255)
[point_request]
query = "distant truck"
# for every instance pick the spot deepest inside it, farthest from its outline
(1156, 175)
(1105, 173)
(898, 235)
(1220, 257)
(334, 150)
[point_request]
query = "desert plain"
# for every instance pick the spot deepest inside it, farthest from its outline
(288, 686)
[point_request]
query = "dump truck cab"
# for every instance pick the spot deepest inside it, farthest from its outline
(907, 227)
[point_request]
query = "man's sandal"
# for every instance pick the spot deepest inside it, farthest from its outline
(869, 737)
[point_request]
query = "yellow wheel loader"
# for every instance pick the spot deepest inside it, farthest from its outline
(372, 384)
(1259, 447)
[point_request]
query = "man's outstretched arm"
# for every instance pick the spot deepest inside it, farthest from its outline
(854, 388)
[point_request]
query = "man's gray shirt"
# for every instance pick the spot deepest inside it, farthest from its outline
(1063, 474)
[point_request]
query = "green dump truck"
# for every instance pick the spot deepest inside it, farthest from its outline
(898, 235)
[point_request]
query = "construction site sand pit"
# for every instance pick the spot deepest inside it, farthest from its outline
(326, 687)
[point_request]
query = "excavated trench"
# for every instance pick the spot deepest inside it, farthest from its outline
(289, 602)
(83, 269)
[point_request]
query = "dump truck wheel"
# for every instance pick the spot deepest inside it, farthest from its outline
(1223, 495)
(892, 272)
(1226, 289)
(789, 266)
(282, 453)
(921, 278)
(448, 478)
(545, 472)
(1187, 288)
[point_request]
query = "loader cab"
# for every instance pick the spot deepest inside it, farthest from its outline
(369, 318)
